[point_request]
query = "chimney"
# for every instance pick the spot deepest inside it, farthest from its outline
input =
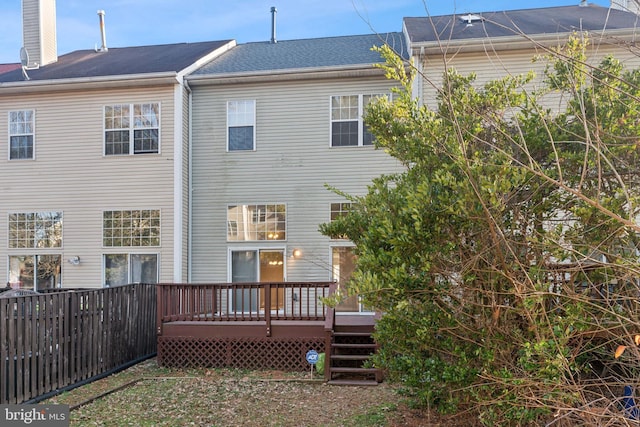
(39, 32)
(103, 33)
(632, 6)
(274, 11)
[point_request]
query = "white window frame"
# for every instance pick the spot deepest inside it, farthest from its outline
(32, 134)
(339, 213)
(40, 218)
(360, 117)
(236, 118)
(362, 310)
(131, 128)
(247, 221)
(36, 261)
(133, 246)
(129, 266)
(257, 249)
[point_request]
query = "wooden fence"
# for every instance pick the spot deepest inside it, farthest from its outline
(52, 340)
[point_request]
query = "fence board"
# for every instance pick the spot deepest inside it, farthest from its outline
(49, 341)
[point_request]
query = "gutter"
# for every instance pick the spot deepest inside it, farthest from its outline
(83, 83)
(286, 75)
(190, 186)
(517, 41)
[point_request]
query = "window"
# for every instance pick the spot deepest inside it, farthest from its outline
(256, 222)
(21, 134)
(241, 125)
(347, 127)
(36, 272)
(122, 269)
(131, 228)
(35, 230)
(338, 210)
(124, 123)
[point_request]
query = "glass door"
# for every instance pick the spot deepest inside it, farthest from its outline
(343, 262)
(253, 266)
(272, 270)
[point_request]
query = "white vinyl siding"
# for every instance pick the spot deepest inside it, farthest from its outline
(491, 65)
(76, 178)
(292, 164)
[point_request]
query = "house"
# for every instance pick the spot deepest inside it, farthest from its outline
(94, 181)
(500, 43)
(273, 124)
(226, 181)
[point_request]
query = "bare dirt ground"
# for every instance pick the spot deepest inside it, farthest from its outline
(147, 395)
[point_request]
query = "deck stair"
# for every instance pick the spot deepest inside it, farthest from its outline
(351, 348)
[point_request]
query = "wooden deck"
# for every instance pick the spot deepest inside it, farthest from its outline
(259, 326)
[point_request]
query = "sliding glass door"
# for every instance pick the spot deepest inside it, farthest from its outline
(253, 266)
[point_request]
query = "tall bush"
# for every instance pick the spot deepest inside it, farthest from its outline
(505, 257)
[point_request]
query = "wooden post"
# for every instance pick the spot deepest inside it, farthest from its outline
(267, 307)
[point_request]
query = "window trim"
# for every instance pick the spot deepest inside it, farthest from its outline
(131, 129)
(339, 213)
(35, 246)
(128, 255)
(362, 310)
(250, 221)
(32, 134)
(360, 118)
(36, 260)
(132, 246)
(253, 125)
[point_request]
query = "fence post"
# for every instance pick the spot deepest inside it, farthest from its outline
(159, 308)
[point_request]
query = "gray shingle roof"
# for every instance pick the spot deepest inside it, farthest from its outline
(549, 20)
(120, 61)
(305, 53)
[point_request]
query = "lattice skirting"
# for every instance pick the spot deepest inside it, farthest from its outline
(240, 353)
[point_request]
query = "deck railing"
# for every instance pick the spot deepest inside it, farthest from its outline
(223, 302)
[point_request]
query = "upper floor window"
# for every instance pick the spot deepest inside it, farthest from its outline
(241, 125)
(35, 230)
(131, 228)
(257, 222)
(21, 134)
(131, 129)
(347, 127)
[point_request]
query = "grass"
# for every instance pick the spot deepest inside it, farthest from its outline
(155, 396)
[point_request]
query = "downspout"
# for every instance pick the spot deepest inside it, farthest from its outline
(190, 178)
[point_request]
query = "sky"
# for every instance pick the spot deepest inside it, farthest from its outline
(148, 22)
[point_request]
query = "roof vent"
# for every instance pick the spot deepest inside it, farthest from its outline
(273, 24)
(470, 18)
(103, 33)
